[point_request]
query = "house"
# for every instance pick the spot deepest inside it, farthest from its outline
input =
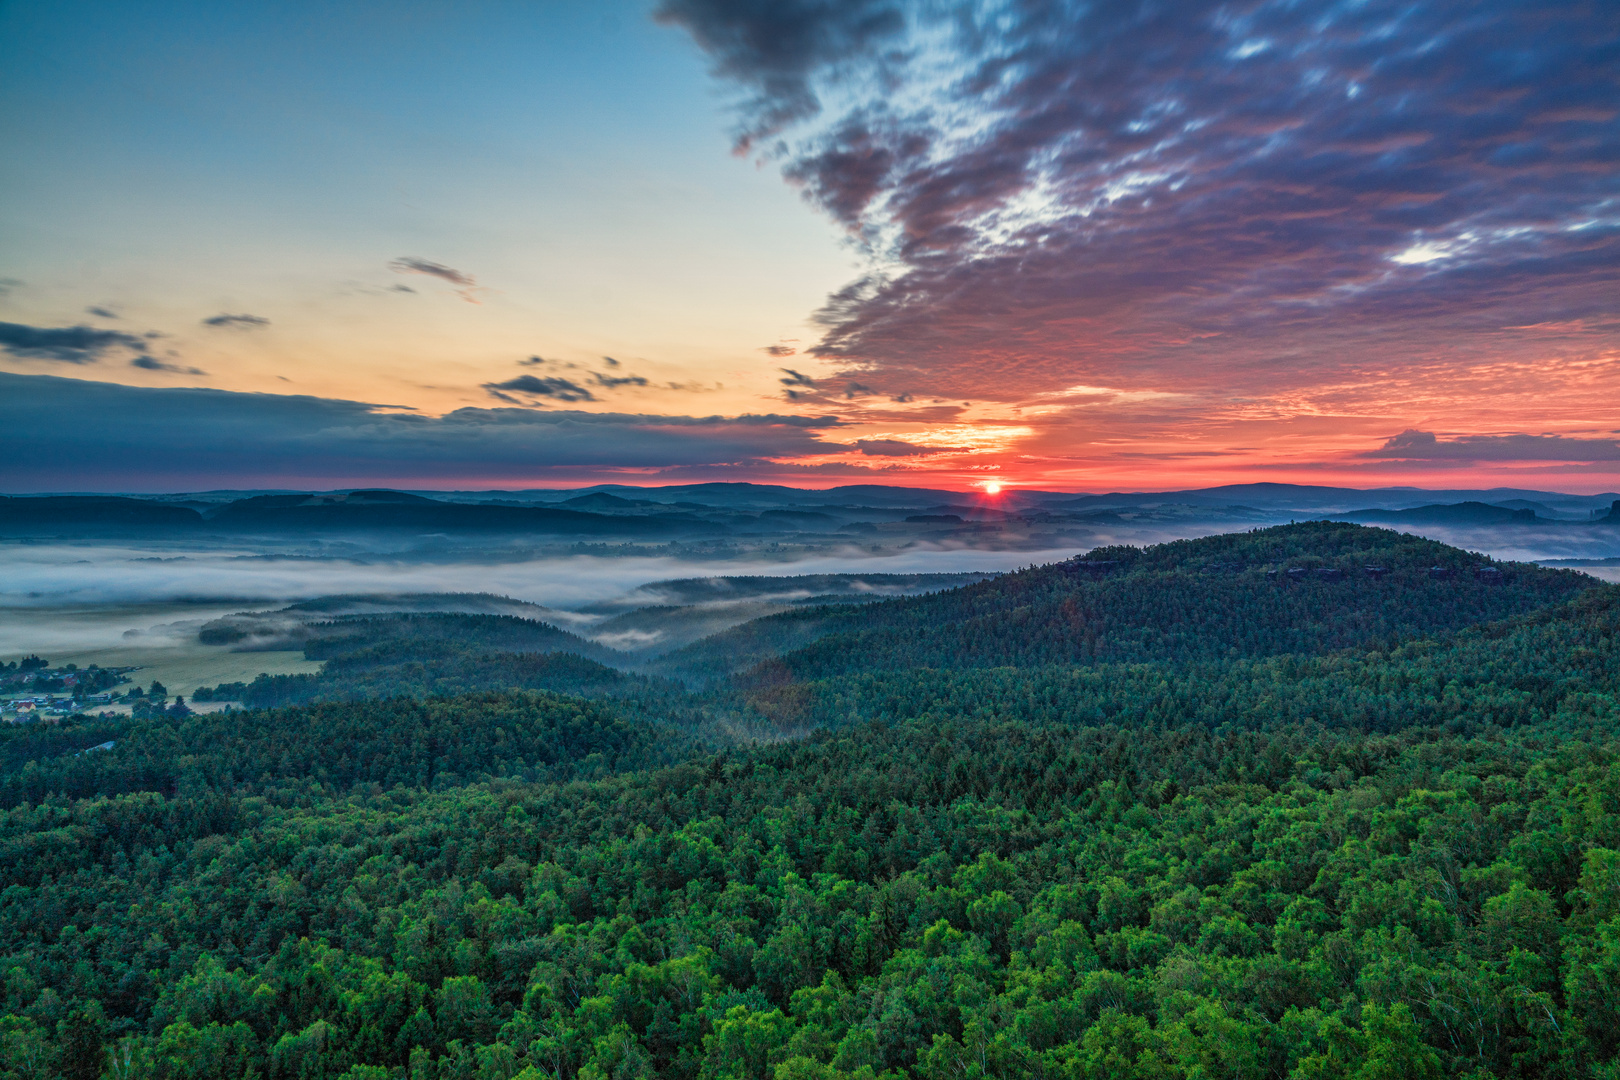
(1330, 573)
(1374, 571)
(1440, 573)
(1489, 575)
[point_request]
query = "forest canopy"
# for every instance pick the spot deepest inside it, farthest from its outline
(1169, 813)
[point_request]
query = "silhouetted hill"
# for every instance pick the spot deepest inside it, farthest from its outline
(93, 511)
(314, 513)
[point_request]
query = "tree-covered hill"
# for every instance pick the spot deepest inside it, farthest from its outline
(1205, 599)
(1514, 672)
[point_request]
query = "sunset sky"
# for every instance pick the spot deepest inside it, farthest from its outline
(1078, 246)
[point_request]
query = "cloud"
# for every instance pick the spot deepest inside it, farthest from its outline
(894, 448)
(777, 49)
(611, 381)
(534, 386)
(236, 322)
(408, 265)
(466, 283)
(149, 363)
(565, 389)
(1185, 194)
(68, 344)
(101, 312)
(779, 350)
(796, 378)
(1413, 445)
(8, 285)
(170, 439)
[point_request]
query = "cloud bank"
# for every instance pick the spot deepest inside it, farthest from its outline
(150, 439)
(1192, 195)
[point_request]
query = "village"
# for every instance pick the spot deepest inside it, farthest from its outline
(31, 690)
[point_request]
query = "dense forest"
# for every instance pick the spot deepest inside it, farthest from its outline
(1159, 814)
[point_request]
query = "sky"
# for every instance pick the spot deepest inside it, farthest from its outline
(1077, 246)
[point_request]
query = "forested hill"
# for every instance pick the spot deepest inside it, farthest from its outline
(1250, 828)
(1512, 673)
(1304, 588)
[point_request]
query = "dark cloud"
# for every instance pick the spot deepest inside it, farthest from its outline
(68, 344)
(101, 312)
(179, 439)
(778, 48)
(796, 378)
(152, 363)
(609, 361)
(535, 386)
(1187, 192)
(1413, 445)
(533, 361)
(779, 350)
(892, 448)
(236, 322)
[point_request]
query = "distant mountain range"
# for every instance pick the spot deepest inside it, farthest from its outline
(697, 511)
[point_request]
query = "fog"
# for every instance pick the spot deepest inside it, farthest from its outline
(82, 597)
(86, 596)
(39, 576)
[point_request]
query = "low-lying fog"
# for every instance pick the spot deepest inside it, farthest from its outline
(111, 599)
(83, 597)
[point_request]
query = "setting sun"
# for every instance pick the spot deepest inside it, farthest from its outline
(992, 487)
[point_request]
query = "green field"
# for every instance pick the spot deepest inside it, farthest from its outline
(181, 668)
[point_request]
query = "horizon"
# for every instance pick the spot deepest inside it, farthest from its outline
(1007, 488)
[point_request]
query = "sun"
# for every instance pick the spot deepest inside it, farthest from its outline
(992, 487)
